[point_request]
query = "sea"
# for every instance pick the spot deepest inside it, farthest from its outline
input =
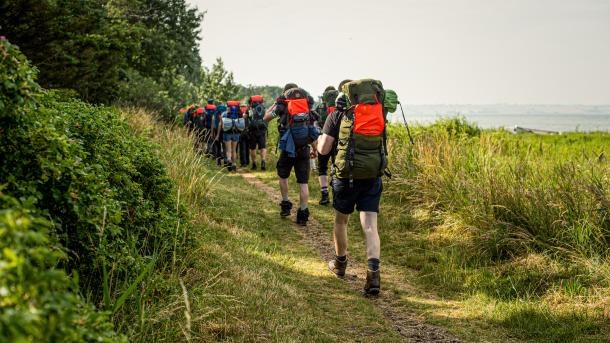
(541, 117)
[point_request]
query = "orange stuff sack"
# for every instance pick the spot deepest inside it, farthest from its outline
(297, 106)
(368, 119)
(256, 98)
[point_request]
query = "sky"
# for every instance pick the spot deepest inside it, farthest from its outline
(429, 51)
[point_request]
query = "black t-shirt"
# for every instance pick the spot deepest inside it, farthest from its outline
(332, 125)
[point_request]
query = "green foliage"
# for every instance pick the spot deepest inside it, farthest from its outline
(38, 302)
(91, 46)
(455, 126)
(18, 87)
(111, 205)
(217, 83)
(269, 93)
(75, 44)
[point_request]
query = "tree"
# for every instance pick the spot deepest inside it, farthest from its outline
(218, 83)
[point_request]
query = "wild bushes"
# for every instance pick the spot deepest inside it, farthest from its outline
(39, 302)
(108, 201)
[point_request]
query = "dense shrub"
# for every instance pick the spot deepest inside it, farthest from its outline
(107, 198)
(39, 302)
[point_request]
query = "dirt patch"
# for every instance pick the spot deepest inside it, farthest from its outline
(403, 319)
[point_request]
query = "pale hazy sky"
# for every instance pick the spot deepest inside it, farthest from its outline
(429, 51)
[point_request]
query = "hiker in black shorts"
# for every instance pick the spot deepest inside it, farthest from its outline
(325, 107)
(294, 109)
(257, 130)
(356, 131)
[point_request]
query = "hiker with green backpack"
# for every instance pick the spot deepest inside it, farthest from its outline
(257, 130)
(355, 134)
(298, 134)
(325, 107)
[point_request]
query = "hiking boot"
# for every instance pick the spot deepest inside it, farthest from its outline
(253, 166)
(337, 267)
(302, 216)
(218, 161)
(325, 199)
(285, 206)
(263, 165)
(373, 281)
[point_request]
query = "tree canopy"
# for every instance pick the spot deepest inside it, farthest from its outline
(134, 52)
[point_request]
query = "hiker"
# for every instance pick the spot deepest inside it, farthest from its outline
(217, 143)
(210, 111)
(257, 130)
(199, 129)
(244, 152)
(231, 125)
(185, 116)
(189, 118)
(357, 131)
(297, 132)
(325, 107)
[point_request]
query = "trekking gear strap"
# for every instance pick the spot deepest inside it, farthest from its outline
(333, 153)
(350, 152)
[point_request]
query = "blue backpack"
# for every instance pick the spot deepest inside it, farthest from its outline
(220, 109)
(210, 110)
(233, 119)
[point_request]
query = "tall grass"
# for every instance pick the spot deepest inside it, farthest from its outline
(521, 193)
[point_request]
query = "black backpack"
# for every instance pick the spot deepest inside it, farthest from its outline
(256, 113)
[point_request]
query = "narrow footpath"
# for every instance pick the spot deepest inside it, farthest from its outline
(405, 321)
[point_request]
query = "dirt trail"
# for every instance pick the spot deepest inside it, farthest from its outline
(404, 320)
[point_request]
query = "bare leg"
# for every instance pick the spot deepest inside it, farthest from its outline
(263, 154)
(303, 195)
(340, 233)
(228, 151)
(368, 220)
(284, 188)
(234, 152)
(253, 155)
(323, 180)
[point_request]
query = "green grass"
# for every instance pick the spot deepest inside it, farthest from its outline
(493, 235)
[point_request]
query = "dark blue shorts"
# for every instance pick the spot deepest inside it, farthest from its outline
(365, 195)
(228, 136)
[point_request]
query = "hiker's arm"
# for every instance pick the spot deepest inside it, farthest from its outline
(219, 129)
(325, 144)
(269, 114)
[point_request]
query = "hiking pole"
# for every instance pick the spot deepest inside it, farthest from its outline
(407, 125)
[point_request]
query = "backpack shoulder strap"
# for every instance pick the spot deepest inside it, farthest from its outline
(333, 152)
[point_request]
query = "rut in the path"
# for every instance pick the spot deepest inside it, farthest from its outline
(404, 320)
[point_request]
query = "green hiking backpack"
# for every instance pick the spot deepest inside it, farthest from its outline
(391, 101)
(327, 105)
(361, 151)
(365, 91)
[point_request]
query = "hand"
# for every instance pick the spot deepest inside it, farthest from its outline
(313, 153)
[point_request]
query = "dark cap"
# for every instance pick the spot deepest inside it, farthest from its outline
(329, 88)
(290, 86)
